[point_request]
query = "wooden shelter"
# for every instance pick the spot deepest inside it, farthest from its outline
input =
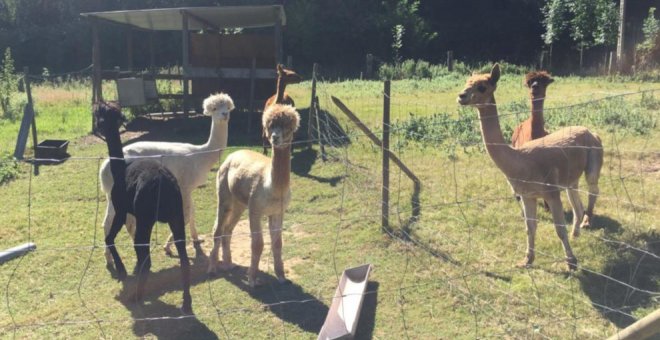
(242, 65)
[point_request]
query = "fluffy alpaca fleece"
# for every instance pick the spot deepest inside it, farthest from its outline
(249, 180)
(189, 163)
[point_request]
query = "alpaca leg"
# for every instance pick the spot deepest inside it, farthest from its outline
(529, 208)
(141, 245)
(218, 230)
(592, 181)
(560, 227)
(117, 222)
(189, 220)
(130, 225)
(578, 209)
(107, 225)
(257, 247)
(178, 229)
(275, 227)
(234, 215)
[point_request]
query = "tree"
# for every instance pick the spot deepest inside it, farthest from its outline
(588, 22)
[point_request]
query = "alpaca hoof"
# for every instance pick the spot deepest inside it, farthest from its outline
(586, 222)
(227, 266)
(576, 232)
(526, 262)
(572, 263)
(168, 251)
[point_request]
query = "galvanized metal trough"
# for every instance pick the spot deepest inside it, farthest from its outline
(341, 321)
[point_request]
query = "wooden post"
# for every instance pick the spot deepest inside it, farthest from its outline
(30, 104)
(186, 58)
(278, 41)
(289, 61)
(369, 72)
(620, 44)
(609, 64)
(318, 127)
(385, 218)
(310, 142)
(129, 49)
(450, 61)
(253, 73)
(152, 54)
(644, 328)
(97, 82)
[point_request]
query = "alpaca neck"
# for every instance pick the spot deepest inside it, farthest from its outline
(504, 156)
(218, 136)
(279, 95)
(280, 170)
(117, 163)
(538, 123)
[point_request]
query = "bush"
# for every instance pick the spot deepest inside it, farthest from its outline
(8, 168)
(421, 69)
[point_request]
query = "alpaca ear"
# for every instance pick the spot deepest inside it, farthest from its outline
(280, 69)
(495, 74)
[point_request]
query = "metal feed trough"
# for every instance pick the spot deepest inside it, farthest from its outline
(341, 321)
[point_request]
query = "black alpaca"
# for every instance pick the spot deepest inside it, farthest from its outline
(150, 192)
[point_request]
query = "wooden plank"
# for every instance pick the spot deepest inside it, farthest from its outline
(310, 114)
(230, 73)
(644, 328)
(186, 58)
(129, 49)
(385, 188)
(202, 21)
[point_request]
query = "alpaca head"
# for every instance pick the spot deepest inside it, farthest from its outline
(288, 76)
(537, 82)
(279, 123)
(108, 116)
(479, 88)
(218, 106)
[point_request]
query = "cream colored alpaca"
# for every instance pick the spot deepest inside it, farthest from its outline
(540, 168)
(189, 163)
(248, 179)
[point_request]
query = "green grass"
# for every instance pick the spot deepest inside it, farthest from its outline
(469, 219)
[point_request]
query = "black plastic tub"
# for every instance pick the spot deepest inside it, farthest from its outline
(52, 149)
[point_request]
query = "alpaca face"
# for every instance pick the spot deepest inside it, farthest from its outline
(288, 76)
(108, 115)
(538, 82)
(280, 122)
(218, 106)
(479, 88)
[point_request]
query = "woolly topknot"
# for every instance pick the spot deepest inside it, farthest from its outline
(542, 77)
(285, 116)
(107, 111)
(218, 102)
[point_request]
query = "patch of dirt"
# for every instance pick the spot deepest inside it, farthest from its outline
(241, 251)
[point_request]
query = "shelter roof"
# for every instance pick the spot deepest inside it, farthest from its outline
(219, 17)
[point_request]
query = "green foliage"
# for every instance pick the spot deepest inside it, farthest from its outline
(420, 69)
(8, 168)
(651, 28)
(8, 85)
(588, 22)
(397, 43)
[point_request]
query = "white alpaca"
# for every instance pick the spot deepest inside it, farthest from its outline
(189, 163)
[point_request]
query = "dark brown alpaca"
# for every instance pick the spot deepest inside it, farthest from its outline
(533, 127)
(284, 77)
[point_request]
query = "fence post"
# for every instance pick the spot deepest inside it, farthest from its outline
(370, 66)
(33, 125)
(543, 60)
(609, 64)
(253, 72)
(450, 61)
(318, 127)
(289, 61)
(386, 157)
(310, 142)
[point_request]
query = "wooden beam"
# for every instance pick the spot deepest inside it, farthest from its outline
(278, 42)
(129, 49)
(230, 73)
(185, 36)
(644, 328)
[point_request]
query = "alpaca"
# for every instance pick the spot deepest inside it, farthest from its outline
(248, 179)
(189, 163)
(540, 168)
(150, 192)
(284, 77)
(533, 127)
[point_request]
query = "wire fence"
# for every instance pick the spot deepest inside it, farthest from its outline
(449, 272)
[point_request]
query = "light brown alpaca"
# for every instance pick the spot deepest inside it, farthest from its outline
(540, 168)
(284, 77)
(248, 179)
(533, 127)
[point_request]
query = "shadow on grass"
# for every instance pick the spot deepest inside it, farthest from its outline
(298, 308)
(367, 320)
(301, 165)
(153, 317)
(628, 276)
